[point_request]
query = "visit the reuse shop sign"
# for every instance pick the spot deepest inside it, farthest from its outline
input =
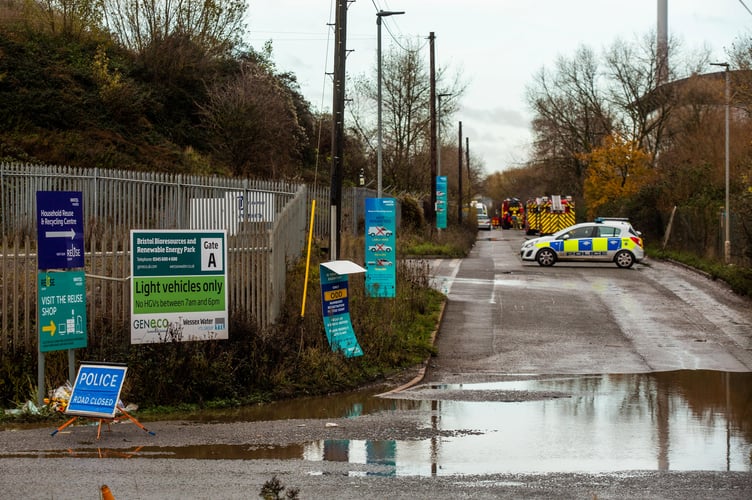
(61, 311)
(60, 229)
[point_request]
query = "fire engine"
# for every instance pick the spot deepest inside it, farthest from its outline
(546, 215)
(512, 214)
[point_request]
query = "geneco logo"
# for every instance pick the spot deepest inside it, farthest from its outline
(150, 324)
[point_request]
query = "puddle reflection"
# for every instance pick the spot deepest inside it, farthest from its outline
(683, 420)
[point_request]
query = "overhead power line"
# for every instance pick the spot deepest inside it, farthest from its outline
(745, 6)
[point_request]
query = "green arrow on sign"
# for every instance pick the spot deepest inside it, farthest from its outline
(50, 328)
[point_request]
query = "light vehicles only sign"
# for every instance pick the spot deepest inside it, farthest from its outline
(178, 286)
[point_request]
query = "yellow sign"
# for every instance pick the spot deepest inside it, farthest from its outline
(335, 294)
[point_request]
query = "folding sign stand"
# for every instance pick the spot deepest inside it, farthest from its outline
(105, 420)
(96, 395)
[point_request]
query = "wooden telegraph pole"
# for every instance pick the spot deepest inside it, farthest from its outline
(432, 110)
(338, 121)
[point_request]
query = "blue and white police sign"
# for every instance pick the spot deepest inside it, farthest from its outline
(97, 391)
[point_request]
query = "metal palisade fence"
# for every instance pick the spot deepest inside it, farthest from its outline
(266, 223)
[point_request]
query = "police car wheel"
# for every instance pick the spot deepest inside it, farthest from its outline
(546, 257)
(624, 259)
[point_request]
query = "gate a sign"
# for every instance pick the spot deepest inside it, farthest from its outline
(178, 286)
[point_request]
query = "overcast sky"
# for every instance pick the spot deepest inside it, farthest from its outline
(497, 45)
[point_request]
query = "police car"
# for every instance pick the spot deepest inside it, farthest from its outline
(604, 240)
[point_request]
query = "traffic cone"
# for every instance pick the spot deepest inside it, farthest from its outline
(106, 493)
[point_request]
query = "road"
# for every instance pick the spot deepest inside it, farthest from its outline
(504, 319)
(583, 318)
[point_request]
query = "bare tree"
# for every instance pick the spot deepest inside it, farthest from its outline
(406, 116)
(641, 103)
(154, 29)
(66, 17)
(255, 124)
(572, 117)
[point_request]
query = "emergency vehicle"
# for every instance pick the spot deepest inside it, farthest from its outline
(512, 214)
(547, 215)
(604, 240)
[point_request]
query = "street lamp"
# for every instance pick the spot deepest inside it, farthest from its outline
(438, 133)
(727, 221)
(379, 15)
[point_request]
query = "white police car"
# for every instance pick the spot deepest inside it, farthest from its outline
(604, 240)
(484, 222)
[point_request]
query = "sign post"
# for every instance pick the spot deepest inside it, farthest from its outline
(60, 245)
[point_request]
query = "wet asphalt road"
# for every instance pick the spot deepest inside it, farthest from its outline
(503, 320)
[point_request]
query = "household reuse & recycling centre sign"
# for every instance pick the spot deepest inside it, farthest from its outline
(178, 285)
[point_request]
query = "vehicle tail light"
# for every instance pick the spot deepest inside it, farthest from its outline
(638, 241)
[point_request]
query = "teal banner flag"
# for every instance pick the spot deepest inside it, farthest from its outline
(381, 246)
(336, 312)
(441, 202)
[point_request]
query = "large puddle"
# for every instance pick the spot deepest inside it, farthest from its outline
(683, 420)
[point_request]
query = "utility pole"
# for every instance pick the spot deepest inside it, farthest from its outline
(432, 111)
(379, 146)
(467, 163)
(727, 220)
(438, 132)
(338, 119)
(459, 180)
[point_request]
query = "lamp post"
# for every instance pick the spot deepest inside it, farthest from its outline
(438, 133)
(727, 220)
(379, 15)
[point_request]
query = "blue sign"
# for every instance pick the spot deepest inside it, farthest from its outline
(441, 202)
(60, 229)
(381, 247)
(97, 391)
(336, 311)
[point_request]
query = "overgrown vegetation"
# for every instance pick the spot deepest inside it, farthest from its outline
(453, 242)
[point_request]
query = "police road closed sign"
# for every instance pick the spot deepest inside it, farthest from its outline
(178, 286)
(96, 391)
